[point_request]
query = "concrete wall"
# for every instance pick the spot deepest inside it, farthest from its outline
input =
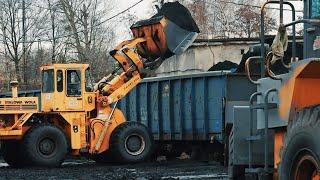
(201, 56)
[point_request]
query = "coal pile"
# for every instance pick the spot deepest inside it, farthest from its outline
(277, 68)
(225, 65)
(179, 15)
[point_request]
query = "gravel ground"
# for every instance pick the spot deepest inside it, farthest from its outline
(87, 169)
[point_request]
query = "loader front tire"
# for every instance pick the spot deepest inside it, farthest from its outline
(11, 151)
(131, 142)
(301, 148)
(45, 145)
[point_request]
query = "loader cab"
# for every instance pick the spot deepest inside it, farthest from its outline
(311, 31)
(66, 87)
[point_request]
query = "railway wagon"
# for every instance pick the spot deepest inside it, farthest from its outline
(186, 113)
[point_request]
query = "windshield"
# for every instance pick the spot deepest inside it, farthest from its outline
(315, 9)
(47, 81)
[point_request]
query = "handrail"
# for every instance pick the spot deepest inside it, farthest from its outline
(266, 126)
(308, 21)
(269, 71)
(247, 68)
(281, 2)
(256, 94)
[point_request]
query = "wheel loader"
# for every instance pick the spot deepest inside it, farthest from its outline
(281, 135)
(76, 117)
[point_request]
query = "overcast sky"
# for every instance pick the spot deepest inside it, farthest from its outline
(142, 10)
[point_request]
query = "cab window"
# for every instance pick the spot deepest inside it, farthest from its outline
(59, 81)
(47, 81)
(315, 9)
(73, 82)
(89, 84)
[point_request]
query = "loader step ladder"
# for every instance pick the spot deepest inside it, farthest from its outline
(265, 106)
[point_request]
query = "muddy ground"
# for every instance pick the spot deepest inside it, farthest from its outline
(88, 169)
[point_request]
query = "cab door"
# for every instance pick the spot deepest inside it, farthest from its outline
(47, 90)
(74, 90)
(60, 94)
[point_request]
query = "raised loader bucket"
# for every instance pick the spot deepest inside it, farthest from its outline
(171, 31)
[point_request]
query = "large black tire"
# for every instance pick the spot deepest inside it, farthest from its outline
(11, 151)
(131, 142)
(45, 146)
(301, 148)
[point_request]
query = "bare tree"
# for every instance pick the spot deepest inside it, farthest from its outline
(226, 19)
(12, 33)
(247, 22)
(200, 13)
(222, 19)
(214, 18)
(52, 12)
(84, 23)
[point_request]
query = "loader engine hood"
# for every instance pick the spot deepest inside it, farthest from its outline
(170, 32)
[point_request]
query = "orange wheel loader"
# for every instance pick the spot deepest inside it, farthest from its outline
(75, 117)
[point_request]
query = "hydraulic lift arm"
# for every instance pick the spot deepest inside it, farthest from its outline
(117, 84)
(166, 34)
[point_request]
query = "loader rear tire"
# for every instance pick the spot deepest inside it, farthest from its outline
(45, 146)
(301, 148)
(11, 151)
(131, 142)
